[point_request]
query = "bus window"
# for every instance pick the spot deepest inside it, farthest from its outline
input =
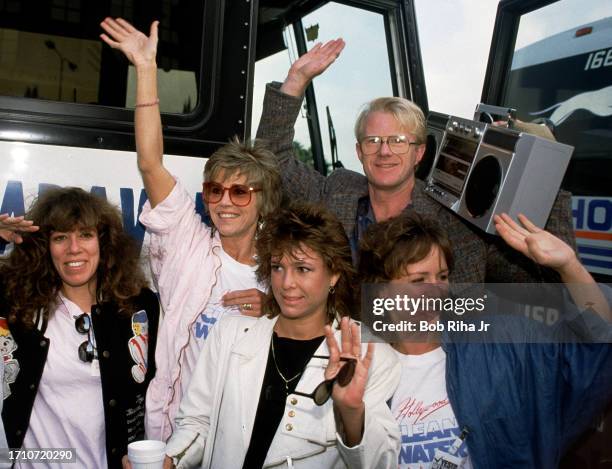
(561, 74)
(50, 50)
(454, 48)
(361, 73)
(351, 82)
(274, 68)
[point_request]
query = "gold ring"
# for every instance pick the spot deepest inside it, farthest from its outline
(247, 306)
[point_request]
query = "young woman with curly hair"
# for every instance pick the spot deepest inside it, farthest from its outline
(295, 386)
(78, 332)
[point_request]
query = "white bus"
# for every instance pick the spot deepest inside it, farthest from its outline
(67, 100)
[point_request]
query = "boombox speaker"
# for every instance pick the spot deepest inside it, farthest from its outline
(436, 126)
(480, 170)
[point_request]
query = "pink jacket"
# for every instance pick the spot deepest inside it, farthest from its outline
(184, 265)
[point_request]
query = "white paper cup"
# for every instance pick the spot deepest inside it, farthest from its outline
(147, 454)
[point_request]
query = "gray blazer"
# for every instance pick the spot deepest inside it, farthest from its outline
(478, 256)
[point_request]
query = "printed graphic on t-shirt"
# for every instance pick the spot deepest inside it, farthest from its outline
(207, 318)
(200, 331)
(425, 427)
(203, 325)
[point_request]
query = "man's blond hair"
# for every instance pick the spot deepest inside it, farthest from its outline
(408, 114)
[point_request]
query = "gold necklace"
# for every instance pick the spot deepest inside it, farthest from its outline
(287, 381)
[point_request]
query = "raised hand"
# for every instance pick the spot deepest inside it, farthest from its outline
(12, 227)
(348, 391)
(537, 244)
(137, 47)
(549, 251)
(250, 302)
(141, 50)
(311, 64)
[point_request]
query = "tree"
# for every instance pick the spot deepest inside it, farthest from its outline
(305, 156)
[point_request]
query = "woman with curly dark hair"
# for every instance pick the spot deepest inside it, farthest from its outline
(294, 386)
(310, 226)
(78, 332)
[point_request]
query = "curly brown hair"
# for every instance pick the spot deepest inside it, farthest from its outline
(389, 247)
(312, 226)
(29, 278)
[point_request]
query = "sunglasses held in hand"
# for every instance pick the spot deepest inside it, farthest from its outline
(323, 391)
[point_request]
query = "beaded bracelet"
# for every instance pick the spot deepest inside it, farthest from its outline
(152, 103)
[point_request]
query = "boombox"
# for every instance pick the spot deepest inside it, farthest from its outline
(480, 170)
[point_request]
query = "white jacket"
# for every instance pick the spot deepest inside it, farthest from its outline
(228, 378)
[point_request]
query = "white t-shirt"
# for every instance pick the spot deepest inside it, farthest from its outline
(231, 276)
(68, 410)
(422, 409)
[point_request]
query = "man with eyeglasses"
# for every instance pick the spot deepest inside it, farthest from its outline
(391, 136)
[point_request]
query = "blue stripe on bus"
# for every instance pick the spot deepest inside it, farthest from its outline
(596, 263)
(597, 251)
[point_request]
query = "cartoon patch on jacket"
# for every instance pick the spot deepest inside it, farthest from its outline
(11, 366)
(139, 345)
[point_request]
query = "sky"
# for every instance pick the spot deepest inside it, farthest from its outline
(567, 14)
(454, 36)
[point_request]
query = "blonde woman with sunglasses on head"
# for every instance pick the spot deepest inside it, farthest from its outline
(294, 388)
(202, 273)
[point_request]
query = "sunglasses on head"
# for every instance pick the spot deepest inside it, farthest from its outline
(239, 194)
(87, 350)
(323, 391)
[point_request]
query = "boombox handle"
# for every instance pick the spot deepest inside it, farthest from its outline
(489, 114)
